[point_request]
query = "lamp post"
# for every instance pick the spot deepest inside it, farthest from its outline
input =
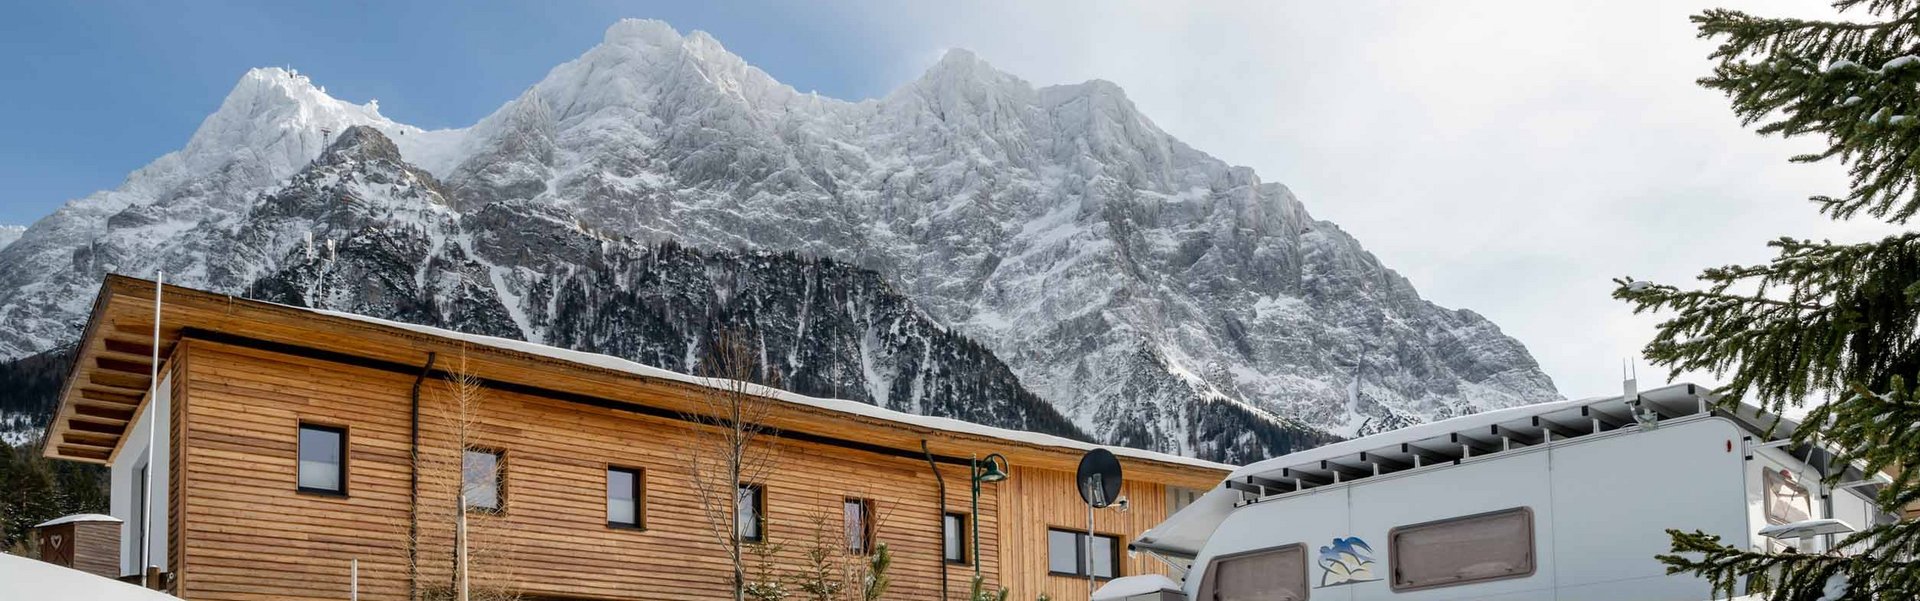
(995, 470)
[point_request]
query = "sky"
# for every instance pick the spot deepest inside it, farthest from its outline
(1507, 157)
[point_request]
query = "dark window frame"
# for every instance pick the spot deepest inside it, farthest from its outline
(639, 497)
(960, 524)
(499, 479)
(1393, 550)
(869, 532)
(320, 427)
(1207, 580)
(759, 512)
(1079, 554)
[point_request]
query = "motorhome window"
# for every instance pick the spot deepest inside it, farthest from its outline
(480, 472)
(1266, 575)
(1787, 502)
(1067, 554)
(323, 459)
(1476, 548)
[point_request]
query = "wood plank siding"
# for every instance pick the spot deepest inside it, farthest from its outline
(247, 375)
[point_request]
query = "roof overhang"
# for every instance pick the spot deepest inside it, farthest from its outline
(111, 376)
(108, 386)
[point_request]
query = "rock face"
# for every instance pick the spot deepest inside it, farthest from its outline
(1153, 295)
(397, 250)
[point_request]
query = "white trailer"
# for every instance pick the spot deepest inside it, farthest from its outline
(1567, 500)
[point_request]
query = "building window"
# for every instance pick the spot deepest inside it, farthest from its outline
(323, 459)
(1787, 502)
(1268, 575)
(953, 546)
(624, 489)
(751, 506)
(1477, 548)
(1179, 498)
(858, 514)
(1068, 555)
(481, 471)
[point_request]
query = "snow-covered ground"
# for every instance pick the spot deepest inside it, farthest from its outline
(23, 579)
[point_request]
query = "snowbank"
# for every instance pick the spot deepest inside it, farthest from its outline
(23, 579)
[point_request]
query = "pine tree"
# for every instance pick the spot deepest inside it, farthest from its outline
(1836, 322)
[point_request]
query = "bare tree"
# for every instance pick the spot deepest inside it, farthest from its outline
(732, 450)
(461, 477)
(834, 568)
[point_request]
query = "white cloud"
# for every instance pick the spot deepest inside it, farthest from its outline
(1508, 157)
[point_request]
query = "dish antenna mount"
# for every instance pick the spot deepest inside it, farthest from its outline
(1099, 478)
(1099, 482)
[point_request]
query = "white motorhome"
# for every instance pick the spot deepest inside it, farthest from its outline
(1567, 500)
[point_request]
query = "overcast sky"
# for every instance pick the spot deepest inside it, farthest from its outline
(1507, 157)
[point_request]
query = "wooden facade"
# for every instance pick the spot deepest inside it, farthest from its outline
(87, 543)
(246, 375)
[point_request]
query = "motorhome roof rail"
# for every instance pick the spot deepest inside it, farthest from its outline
(1556, 428)
(1384, 462)
(1471, 445)
(1304, 476)
(1608, 419)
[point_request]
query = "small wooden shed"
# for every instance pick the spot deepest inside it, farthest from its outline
(89, 542)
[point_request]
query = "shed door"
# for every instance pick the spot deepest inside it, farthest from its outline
(56, 544)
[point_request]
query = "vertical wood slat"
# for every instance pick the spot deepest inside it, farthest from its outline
(176, 468)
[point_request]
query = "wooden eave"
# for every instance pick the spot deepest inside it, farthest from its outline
(108, 385)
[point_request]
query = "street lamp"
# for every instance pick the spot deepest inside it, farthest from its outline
(995, 470)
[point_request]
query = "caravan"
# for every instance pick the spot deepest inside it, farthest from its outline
(1567, 500)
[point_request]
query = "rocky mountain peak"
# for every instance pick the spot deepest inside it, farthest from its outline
(961, 74)
(361, 143)
(1156, 296)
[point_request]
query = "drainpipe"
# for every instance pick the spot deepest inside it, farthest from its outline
(943, 518)
(413, 488)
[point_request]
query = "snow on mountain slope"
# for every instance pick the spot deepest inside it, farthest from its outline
(1126, 277)
(9, 233)
(272, 124)
(1119, 271)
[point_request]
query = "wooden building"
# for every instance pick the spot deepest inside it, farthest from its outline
(284, 442)
(89, 542)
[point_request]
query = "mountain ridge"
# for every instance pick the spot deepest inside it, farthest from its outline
(1122, 274)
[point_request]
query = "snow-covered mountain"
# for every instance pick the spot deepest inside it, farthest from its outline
(1126, 278)
(9, 233)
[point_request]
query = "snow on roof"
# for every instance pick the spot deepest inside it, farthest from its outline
(837, 405)
(78, 517)
(1123, 587)
(1430, 430)
(34, 579)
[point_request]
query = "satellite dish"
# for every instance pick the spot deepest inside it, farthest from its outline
(1099, 478)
